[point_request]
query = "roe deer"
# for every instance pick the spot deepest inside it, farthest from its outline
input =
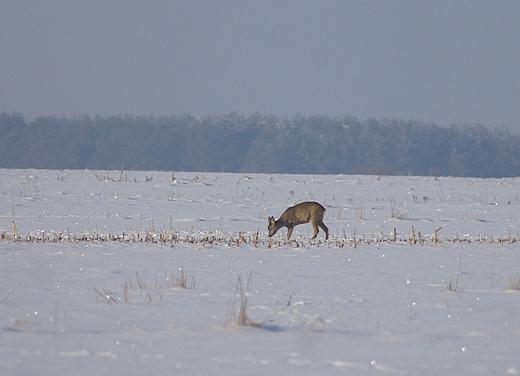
(304, 212)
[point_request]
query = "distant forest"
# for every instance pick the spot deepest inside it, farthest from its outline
(258, 143)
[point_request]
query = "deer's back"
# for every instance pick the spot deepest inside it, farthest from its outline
(303, 212)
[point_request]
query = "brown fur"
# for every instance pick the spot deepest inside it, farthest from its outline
(304, 212)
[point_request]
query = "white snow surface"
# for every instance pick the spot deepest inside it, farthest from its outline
(90, 265)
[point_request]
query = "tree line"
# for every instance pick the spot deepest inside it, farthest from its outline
(258, 143)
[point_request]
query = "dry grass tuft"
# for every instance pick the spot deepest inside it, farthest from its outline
(182, 279)
(514, 284)
(453, 286)
(239, 316)
(139, 287)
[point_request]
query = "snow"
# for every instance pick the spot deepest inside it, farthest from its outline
(90, 275)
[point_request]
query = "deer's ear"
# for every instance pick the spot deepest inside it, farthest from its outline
(271, 219)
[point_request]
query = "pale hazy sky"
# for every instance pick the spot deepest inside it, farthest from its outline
(442, 61)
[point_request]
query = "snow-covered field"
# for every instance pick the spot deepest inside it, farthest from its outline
(159, 273)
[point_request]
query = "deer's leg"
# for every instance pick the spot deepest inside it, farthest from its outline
(315, 228)
(289, 232)
(324, 228)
